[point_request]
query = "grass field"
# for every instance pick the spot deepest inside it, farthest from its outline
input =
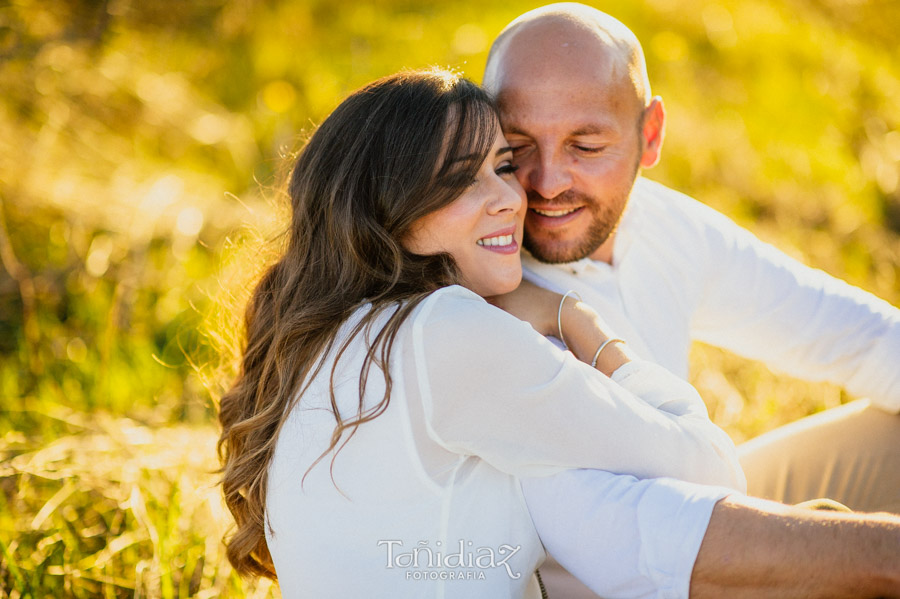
(141, 148)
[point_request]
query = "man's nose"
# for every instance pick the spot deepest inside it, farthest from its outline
(550, 176)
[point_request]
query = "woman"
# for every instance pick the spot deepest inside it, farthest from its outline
(384, 410)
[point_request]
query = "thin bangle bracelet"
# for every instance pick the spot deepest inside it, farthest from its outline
(559, 314)
(602, 347)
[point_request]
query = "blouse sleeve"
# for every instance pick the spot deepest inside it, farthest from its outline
(492, 386)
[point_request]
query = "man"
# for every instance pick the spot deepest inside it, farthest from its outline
(662, 269)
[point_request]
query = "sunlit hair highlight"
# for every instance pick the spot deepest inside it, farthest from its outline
(392, 152)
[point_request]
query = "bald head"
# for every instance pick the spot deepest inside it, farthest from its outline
(575, 106)
(560, 42)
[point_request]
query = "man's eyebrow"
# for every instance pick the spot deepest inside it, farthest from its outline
(593, 129)
(514, 131)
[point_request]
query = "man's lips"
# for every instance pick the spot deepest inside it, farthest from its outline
(553, 217)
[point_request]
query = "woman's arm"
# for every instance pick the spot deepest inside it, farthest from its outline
(553, 314)
(571, 321)
(494, 387)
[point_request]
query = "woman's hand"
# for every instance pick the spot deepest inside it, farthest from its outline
(583, 330)
(535, 305)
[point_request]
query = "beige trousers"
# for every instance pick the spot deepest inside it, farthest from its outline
(850, 454)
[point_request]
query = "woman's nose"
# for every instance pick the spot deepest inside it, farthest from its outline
(509, 196)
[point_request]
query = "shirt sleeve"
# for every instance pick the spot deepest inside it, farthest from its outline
(622, 537)
(492, 386)
(762, 304)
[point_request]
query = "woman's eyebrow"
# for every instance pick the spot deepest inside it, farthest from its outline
(466, 158)
(475, 157)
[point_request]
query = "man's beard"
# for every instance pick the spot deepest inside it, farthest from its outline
(605, 218)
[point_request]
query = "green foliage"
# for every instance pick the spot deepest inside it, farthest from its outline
(130, 130)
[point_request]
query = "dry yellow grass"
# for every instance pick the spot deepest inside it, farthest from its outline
(116, 509)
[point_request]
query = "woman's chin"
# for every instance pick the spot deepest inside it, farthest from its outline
(497, 286)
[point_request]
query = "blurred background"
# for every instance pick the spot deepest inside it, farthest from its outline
(141, 147)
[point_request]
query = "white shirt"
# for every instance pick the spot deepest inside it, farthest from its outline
(624, 538)
(683, 271)
(479, 399)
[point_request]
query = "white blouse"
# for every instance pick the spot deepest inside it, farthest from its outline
(425, 501)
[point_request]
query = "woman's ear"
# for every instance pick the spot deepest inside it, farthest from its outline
(653, 132)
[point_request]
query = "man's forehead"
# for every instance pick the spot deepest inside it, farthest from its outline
(581, 105)
(557, 55)
(557, 125)
(568, 90)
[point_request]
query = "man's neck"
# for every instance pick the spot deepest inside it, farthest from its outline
(604, 253)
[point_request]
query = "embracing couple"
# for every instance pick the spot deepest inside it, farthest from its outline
(413, 420)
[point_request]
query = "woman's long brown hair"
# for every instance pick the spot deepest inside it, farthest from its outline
(392, 152)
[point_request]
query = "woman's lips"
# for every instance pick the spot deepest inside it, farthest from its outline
(503, 241)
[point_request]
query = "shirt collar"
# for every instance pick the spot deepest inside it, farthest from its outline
(577, 268)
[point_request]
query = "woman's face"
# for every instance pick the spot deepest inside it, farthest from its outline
(482, 228)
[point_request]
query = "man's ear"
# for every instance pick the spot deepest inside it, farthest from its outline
(653, 132)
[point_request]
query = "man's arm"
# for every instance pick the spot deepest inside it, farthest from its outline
(764, 305)
(623, 537)
(662, 538)
(767, 550)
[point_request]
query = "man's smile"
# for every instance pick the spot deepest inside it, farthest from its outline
(557, 217)
(555, 213)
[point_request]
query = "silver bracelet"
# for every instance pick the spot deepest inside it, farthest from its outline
(559, 314)
(602, 346)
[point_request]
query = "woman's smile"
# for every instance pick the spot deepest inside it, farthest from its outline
(503, 241)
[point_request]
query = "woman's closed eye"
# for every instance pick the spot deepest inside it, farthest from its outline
(506, 168)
